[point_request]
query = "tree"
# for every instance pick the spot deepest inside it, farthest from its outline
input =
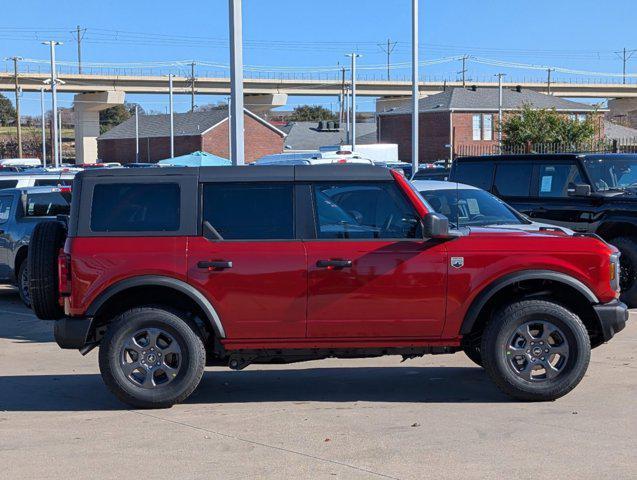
(311, 113)
(211, 107)
(113, 116)
(545, 126)
(7, 112)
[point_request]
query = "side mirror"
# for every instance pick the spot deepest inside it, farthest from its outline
(580, 190)
(435, 225)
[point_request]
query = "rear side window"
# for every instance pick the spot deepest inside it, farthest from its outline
(513, 180)
(250, 211)
(364, 210)
(53, 182)
(478, 174)
(555, 180)
(48, 204)
(5, 208)
(135, 207)
(8, 184)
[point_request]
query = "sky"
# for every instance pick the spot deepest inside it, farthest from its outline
(315, 35)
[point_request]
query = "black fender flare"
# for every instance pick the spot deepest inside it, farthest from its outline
(161, 281)
(494, 287)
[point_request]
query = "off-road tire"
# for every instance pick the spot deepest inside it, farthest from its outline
(628, 248)
(192, 363)
(46, 241)
(23, 270)
(505, 322)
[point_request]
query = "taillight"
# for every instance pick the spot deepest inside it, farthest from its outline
(64, 274)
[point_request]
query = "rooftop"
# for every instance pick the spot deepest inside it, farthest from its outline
(487, 99)
(307, 136)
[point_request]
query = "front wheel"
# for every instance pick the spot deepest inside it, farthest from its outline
(535, 350)
(23, 283)
(628, 269)
(151, 358)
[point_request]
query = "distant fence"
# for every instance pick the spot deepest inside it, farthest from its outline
(621, 145)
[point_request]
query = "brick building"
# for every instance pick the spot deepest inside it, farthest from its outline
(195, 131)
(460, 120)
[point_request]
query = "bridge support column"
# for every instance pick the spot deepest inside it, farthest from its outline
(87, 107)
(258, 103)
(623, 111)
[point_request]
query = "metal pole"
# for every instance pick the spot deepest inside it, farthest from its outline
(352, 141)
(43, 127)
(415, 146)
(17, 103)
(500, 75)
(136, 135)
(54, 105)
(624, 63)
(79, 50)
(237, 151)
(172, 120)
(229, 131)
(60, 136)
(347, 124)
(192, 87)
(548, 80)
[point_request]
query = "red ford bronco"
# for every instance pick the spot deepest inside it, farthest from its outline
(170, 270)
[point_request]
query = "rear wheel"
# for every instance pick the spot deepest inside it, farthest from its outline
(46, 241)
(536, 350)
(23, 283)
(628, 269)
(151, 358)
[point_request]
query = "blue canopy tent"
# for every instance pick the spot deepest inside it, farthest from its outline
(196, 159)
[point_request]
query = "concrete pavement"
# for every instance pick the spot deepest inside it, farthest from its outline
(435, 417)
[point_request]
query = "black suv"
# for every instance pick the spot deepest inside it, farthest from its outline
(593, 193)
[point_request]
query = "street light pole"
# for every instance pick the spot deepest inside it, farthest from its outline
(352, 142)
(237, 149)
(172, 120)
(54, 102)
(60, 137)
(43, 126)
(136, 135)
(17, 103)
(414, 88)
(347, 135)
(500, 75)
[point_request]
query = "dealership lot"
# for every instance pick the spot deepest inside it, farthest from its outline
(435, 417)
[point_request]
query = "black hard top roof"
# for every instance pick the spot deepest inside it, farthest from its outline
(251, 173)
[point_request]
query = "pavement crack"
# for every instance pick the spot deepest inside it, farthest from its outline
(265, 445)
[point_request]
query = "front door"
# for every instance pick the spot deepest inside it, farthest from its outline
(256, 275)
(371, 274)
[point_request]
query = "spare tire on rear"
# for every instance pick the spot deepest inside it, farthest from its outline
(46, 241)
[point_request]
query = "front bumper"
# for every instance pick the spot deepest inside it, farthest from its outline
(612, 317)
(72, 333)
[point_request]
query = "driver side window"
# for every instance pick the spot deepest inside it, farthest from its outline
(365, 210)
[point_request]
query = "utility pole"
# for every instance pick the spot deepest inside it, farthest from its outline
(192, 86)
(353, 56)
(463, 72)
(500, 75)
(414, 88)
(347, 124)
(342, 111)
(79, 35)
(237, 148)
(548, 80)
(625, 55)
(54, 106)
(388, 49)
(136, 134)
(43, 126)
(60, 136)
(17, 103)
(172, 119)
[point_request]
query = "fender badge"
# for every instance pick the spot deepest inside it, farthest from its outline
(457, 262)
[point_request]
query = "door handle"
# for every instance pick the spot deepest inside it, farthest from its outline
(215, 265)
(333, 264)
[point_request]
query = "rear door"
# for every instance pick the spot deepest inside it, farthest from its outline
(371, 274)
(6, 209)
(254, 272)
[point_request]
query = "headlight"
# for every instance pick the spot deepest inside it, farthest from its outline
(614, 271)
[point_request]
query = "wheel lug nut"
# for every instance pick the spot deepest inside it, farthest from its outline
(542, 358)
(528, 351)
(157, 364)
(546, 351)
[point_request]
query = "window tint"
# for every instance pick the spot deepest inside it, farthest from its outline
(555, 180)
(135, 207)
(8, 184)
(5, 208)
(53, 182)
(478, 174)
(48, 204)
(513, 179)
(250, 211)
(364, 210)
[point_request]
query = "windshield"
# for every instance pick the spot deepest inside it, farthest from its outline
(612, 173)
(471, 207)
